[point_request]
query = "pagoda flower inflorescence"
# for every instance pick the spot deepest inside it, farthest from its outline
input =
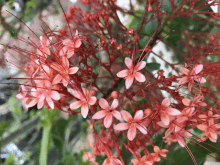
(97, 68)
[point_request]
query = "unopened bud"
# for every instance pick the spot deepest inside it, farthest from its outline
(136, 37)
(93, 92)
(114, 95)
(147, 111)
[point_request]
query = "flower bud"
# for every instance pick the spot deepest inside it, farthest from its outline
(114, 95)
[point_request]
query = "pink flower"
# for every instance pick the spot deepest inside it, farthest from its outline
(43, 51)
(112, 161)
(142, 161)
(70, 46)
(43, 92)
(165, 112)
(107, 112)
(132, 72)
(84, 102)
(192, 104)
(132, 124)
(191, 76)
(210, 129)
(158, 152)
(63, 71)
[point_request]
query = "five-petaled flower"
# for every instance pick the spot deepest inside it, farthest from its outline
(132, 124)
(43, 91)
(85, 101)
(112, 161)
(63, 71)
(210, 130)
(107, 112)
(191, 76)
(70, 46)
(165, 112)
(132, 72)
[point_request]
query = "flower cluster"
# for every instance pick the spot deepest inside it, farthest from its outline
(100, 73)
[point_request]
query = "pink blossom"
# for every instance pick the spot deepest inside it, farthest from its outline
(142, 161)
(112, 161)
(85, 101)
(132, 72)
(132, 124)
(63, 71)
(191, 76)
(43, 92)
(70, 46)
(166, 112)
(107, 112)
(197, 102)
(210, 129)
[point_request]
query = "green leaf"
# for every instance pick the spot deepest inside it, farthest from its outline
(166, 6)
(3, 126)
(152, 66)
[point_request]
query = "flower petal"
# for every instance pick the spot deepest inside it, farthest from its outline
(50, 102)
(122, 126)
(166, 102)
(139, 77)
(76, 105)
(116, 114)
(67, 42)
(33, 103)
(142, 129)
(108, 120)
(190, 86)
(181, 141)
(84, 110)
(172, 111)
(73, 70)
(126, 116)
(183, 80)
(186, 101)
(77, 94)
(57, 79)
(185, 71)
(123, 73)
(197, 69)
(156, 149)
(92, 100)
(99, 114)
(55, 95)
(138, 115)
(114, 104)
(19, 96)
(202, 127)
(132, 132)
(129, 81)
(77, 43)
(40, 104)
(103, 103)
(140, 66)
(199, 79)
(129, 63)
(165, 118)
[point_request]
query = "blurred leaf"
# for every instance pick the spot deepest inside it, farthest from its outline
(166, 6)
(4, 125)
(152, 66)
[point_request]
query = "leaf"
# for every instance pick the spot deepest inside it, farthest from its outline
(3, 126)
(166, 6)
(152, 66)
